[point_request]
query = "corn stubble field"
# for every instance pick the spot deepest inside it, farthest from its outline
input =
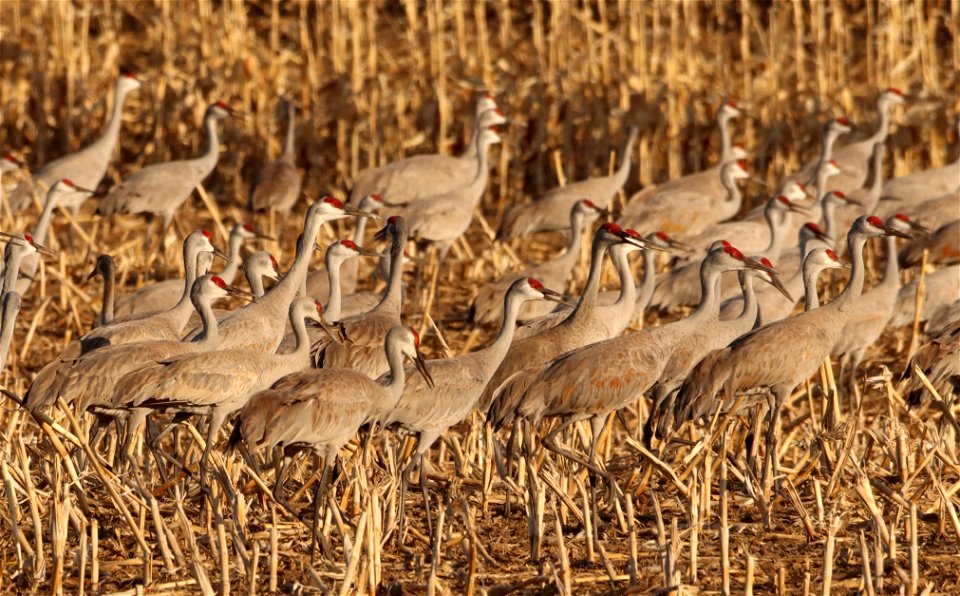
(869, 499)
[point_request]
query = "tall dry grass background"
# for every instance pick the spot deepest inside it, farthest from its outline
(380, 80)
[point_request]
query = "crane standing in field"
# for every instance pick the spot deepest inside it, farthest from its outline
(488, 304)
(550, 212)
(86, 167)
(277, 186)
(160, 189)
(322, 409)
(458, 384)
(781, 355)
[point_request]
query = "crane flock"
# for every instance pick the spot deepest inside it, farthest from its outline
(312, 364)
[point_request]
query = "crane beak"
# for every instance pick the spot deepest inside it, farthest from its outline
(335, 331)
(261, 236)
(775, 282)
(919, 230)
(239, 293)
(421, 365)
(818, 233)
(360, 213)
(92, 273)
(888, 231)
(853, 201)
(366, 252)
(557, 297)
(679, 245)
(44, 250)
(217, 253)
(791, 206)
(382, 234)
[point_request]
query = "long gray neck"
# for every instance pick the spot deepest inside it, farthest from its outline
(12, 268)
(620, 176)
(190, 255)
(645, 293)
(393, 296)
(288, 144)
(42, 227)
(891, 271)
(733, 191)
(334, 304)
(827, 210)
(709, 307)
(726, 142)
(778, 231)
(211, 330)
(470, 150)
(628, 289)
(255, 281)
(854, 287)
(229, 272)
(750, 306)
(108, 140)
(350, 269)
(875, 185)
(479, 182)
(588, 299)
(394, 380)
(795, 284)
(296, 278)
(109, 295)
(810, 298)
(883, 126)
(299, 325)
(494, 354)
(208, 160)
(11, 306)
(826, 145)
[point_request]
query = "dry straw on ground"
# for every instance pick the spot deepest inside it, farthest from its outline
(869, 502)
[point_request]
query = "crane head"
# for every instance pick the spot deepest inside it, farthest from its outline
(813, 229)
(784, 202)
(128, 81)
(409, 341)
(874, 226)
(275, 265)
(903, 223)
(893, 95)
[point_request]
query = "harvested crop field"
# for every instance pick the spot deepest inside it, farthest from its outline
(867, 492)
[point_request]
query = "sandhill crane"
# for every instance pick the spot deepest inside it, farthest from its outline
(167, 324)
(277, 185)
(85, 167)
(259, 326)
(615, 309)
(579, 328)
(88, 379)
(705, 181)
(865, 199)
(91, 382)
(832, 130)
(423, 176)
(942, 245)
(106, 267)
(8, 318)
(781, 355)
(488, 305)
(550, 212)
(939, 359)
(219, 383)
(872, 310)
(576, 386)
(710, 336)
(18, 247)
(931, 213)
(685, 212)
(322, 409)
(458, 382)
(927, 184)
(773, 304)
(9, 163)
(443, 218)
(257, 266)
(164, 294)
(854, 159)
(160, 189)
(940, 288)
(31, 262)
(365, 332)
(318, 280)
(766, 237)
(338, 253)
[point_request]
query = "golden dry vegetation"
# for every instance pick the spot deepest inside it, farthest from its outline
(867, 503)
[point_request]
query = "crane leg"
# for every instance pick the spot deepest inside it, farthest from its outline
(135, 420)
(282, 461)
(217, 418)
(550, 442)
(534, 513)
(425, 489)
(771, 468)
(318, 498)
(402, 513)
